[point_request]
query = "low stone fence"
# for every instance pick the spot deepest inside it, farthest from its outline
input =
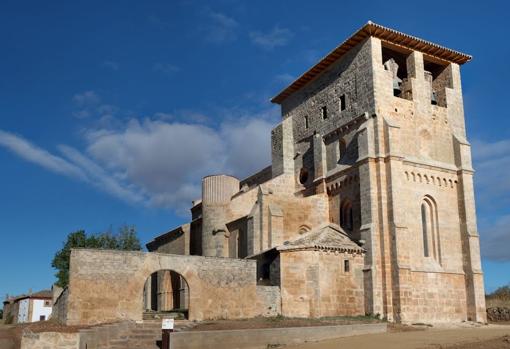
(268, 337)
(498, 314)
(45, 340)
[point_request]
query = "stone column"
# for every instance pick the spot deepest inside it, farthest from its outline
(148, 294)
(369, 217)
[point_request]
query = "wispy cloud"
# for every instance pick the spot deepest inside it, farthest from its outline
(165, 68)
(30, 152)
(492, 161)
(284, 78)
(111, 65)
(89, 104)
(86, 99)
(157, 161)
(274, 38)
(220, 27)
(496, 239)
(97, 176)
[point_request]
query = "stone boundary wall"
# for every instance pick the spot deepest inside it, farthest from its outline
(496, 314)
(59, 310)
(46, 340)
(107, 286)
(268, 337)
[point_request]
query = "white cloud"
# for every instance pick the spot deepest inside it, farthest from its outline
(220, 28)
(495, 240)
(276, 37)
(97, 176)
(89, 105)
(86, 99)
(158, 162)
(491, 161)
(30, 152)
(285, 78)
(81, 114)
(248, 145)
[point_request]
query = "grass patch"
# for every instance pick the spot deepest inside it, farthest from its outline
(499, 298)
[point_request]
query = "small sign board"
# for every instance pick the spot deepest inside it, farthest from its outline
(167, 324)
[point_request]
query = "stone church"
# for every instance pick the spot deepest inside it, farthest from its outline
(367, 207)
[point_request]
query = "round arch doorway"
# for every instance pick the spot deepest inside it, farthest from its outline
(166, 294)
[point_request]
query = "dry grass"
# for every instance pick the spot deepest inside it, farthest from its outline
(499, 298)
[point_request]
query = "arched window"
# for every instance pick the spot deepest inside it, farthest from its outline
(346, 216)
(430, 230)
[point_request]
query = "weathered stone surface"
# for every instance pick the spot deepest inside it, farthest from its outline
(106, 286)
(59, 311)
(378, 149)
(49, 340)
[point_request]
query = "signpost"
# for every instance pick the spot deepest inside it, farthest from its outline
(167, 326)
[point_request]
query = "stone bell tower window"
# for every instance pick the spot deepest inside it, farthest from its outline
(324, 112)
(342, 102)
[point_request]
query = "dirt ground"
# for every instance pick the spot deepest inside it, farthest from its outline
(486, 337)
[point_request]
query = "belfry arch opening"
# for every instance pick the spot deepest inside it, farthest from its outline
(166, 293)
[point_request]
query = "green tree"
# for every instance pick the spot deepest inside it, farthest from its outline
(126, 240)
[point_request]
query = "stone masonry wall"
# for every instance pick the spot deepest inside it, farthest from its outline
(344, 90)
(59, 311)
(107, 286)
(315, 284)
(270, 300)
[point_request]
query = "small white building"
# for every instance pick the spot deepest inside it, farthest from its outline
(29, 308)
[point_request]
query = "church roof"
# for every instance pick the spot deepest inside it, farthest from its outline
(378, 31)
(328, 237)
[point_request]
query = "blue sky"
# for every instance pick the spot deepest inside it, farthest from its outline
(111, 112)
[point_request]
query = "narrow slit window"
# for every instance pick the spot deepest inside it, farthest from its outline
(306, 122)
(342, 102)
(347, 267)
(424, 230)
(324, 112)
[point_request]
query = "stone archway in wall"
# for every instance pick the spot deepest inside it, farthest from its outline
(166, 293)
(108, 286)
